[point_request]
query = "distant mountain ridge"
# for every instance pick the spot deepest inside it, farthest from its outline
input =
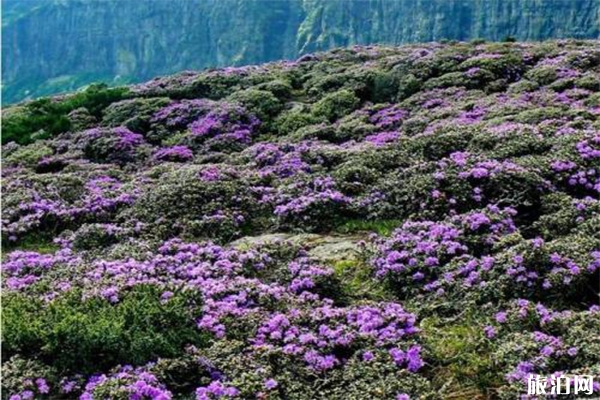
(51, 46)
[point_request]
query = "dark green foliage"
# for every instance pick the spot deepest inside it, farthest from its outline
(382, 86)
(90, 335)
(559, 216)
(542, 75)
(264, 104)
(135, 114)
(408, 86)
(93, 236)
(191, 207)
(355, 177)
(48, 117)
(21, 125)
(294, 119)
(81, 119)
(336, 105)
(280, 89)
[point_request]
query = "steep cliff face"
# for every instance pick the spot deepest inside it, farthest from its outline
(57, 45)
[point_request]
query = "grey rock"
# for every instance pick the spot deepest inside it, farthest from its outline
(325, 248)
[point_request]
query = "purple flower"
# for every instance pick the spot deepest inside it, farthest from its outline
(501, 317)
(42, 386)
(271, 384)
(490, 331)
(175, 153)
(413, 356)
(27, 395)
(382, 138)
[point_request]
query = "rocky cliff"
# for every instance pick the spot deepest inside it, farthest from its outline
(57, 45)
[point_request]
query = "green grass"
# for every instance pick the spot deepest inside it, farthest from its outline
(382, 227)
(358, 281)
(37, 244)
(462, 362)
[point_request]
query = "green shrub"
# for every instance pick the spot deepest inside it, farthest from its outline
(280, 89)
(589, 82)
(542, 75)
(21, 125)
(19, 374)
(320, 84)
(51, 116)
(382, 86)
(321, 131)
(537, 115)
(408, 86)
(523, 86)
(448, 80)
(91, 236)
(81, 336)
(354, 177)
(261, 103)
(81, 119)
(181, 203)
(294, 119)
(560, 85)
(336, 105)
(135, 114)
(593, 100)
(29, 155)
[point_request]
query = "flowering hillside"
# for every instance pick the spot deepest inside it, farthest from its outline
(173, 239)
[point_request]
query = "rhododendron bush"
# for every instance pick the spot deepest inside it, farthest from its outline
(465, 177)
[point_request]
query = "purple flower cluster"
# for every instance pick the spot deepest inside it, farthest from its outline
(312, 329)
(174, 153)
(135, 383)
(389, 118)
(216, 390)
(323, 336)
(382, 138)
(32, 387)
(117, 145)
(282, 161)
(428, 255)
(558, 271)
(23, 268)
(227, 123)
(319, 194)
(538, 340)
(101, 197)
(179, 115)
(471, 116)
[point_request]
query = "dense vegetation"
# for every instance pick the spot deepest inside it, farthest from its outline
(44, 118)
(466, 176)
(122, 42)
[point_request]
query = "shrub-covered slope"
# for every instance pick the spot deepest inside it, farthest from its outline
(467, 176)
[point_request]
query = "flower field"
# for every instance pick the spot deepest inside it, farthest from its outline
(466, 176)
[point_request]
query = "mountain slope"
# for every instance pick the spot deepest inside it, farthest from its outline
(378, 222)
